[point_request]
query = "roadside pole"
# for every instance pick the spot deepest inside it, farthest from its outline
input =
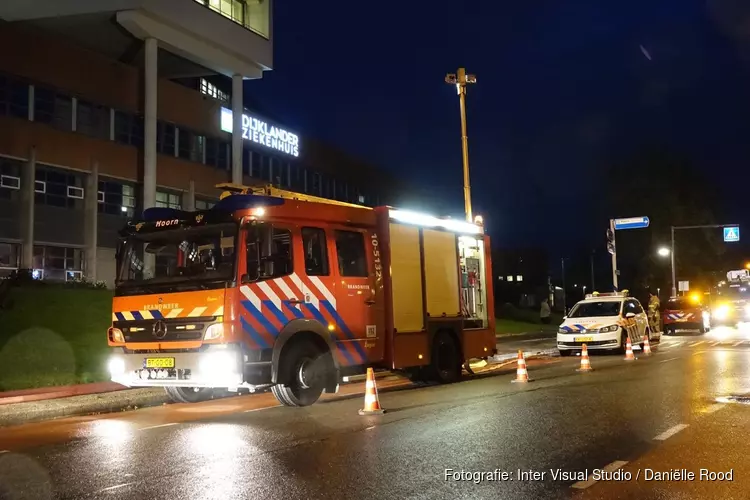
(613, 251)
(619, 225)
(674, 283)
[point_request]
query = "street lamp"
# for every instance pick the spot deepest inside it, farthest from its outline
(460, 80)
(663, 252)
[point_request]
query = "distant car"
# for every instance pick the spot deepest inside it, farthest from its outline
(686, 313)
(603, 321)
(731, 305)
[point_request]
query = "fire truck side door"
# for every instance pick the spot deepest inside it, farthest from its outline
(359, 289)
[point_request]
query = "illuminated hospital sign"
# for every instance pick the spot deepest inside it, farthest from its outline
(260, 132)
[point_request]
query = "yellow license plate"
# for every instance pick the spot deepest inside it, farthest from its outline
(583, 339)
(159, 362)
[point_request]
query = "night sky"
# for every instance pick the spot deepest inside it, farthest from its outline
(563, 87)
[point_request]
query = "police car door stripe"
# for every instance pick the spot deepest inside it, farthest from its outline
(270, 294)
(250, 295)
(253, 334)
(173, 313)
(196, 312)
(342, 326)
(324, 290)
(258, 316)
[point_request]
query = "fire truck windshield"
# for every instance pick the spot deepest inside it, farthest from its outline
(183, 259)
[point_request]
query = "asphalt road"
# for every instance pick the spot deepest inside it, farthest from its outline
(657, 412)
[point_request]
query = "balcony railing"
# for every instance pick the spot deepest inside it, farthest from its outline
(254, 15)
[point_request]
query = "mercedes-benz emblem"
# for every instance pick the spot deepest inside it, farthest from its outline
(160, 329)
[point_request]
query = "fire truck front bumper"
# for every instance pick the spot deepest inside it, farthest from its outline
(221, 367)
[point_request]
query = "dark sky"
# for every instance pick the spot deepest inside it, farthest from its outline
(562, 87)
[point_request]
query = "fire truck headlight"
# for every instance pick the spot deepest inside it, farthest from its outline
(213, 332)
(115, 335)
(219, 362)
(116, 366)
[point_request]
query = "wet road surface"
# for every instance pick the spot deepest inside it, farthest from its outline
(658, 412)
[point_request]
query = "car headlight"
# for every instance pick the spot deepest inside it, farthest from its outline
(213, 332)
(115, 335)
(610, 328)
(721, 312)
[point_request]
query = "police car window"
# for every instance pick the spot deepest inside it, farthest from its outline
(595, 309)
(634, 307)
(350, 248)
(316, 251)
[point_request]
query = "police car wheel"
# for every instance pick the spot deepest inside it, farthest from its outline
(623, 342)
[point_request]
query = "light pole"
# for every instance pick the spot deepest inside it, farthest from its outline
(460, 80)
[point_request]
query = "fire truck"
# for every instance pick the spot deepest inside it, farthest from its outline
(274, 289)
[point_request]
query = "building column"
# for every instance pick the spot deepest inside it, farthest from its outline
(90, 218)
(188, 200)
(28, 184)
(149, 139)
(237, 112)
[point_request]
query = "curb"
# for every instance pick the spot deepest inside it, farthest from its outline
(63, 391)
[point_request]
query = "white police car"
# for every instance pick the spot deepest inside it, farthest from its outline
(603, 321)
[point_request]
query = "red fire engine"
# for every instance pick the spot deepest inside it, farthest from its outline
(276, 289)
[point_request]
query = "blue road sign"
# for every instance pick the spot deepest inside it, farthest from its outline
(732, 234)
(631, 223)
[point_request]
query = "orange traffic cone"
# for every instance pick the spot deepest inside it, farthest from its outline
(646, 345)
(585, 363)
(629, 356)
(521, 374)
(372, 404)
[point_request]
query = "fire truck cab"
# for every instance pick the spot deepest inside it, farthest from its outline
(276, 289)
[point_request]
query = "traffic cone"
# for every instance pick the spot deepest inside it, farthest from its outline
(585, 363)
(521, 374)
(372, 403)
(646, 345)
(629, 356)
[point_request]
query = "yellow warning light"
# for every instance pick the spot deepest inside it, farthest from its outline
(695, 297)
(485, 349)
(420, 356)
(331, 327)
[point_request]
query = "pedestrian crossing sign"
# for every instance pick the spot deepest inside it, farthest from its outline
(731, 234)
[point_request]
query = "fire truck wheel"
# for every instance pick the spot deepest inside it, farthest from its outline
(304, 370)
(445, 367)
(189, 394)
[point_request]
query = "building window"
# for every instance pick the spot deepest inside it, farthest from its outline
(58, 188)
(53, 108)
(519, 278)
(57, 263)
(165, 133)
(204, 205)
(314, 187)
(129, 129)
(10, 178)
(168, 200)
(92, 120)
(316, 253)
(191, 146)
(14, 98)
(211, 90)
(253, 15)
(361, 199)
(265, 168)
(216, 153)
(342, 193)
(297, 174)
(350, 248)
(116, 198)
(510, 278)
(9, 253)
(247, 168)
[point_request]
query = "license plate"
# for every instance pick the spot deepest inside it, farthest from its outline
(159, 362)
(583, 339)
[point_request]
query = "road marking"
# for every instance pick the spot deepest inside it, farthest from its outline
(715, 343)
(696, 343)
(670, 432)
(4, 451)
(533, 340)
(665, 360)
(369, 428)
(258, 409)
(114, 487)
(156, 426)
(737, 343)
(582, 485)
(678, 344)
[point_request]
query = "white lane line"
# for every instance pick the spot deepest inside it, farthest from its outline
(712, 344)
(678, 344)
(670, 432)
(696, 343)
(114, 487)
(713, 408)
(259, 409)
(4, 451)
(669, 359)
(737, 343)
(156, 426)
(582, 485)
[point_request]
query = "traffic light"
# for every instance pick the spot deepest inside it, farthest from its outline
(610, 241)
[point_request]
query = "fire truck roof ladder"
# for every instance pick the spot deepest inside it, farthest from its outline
(229, 188)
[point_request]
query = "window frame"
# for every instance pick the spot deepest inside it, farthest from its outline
(340, 266)
(326, 264)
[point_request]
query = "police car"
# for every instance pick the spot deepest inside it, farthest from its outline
(603, 321)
